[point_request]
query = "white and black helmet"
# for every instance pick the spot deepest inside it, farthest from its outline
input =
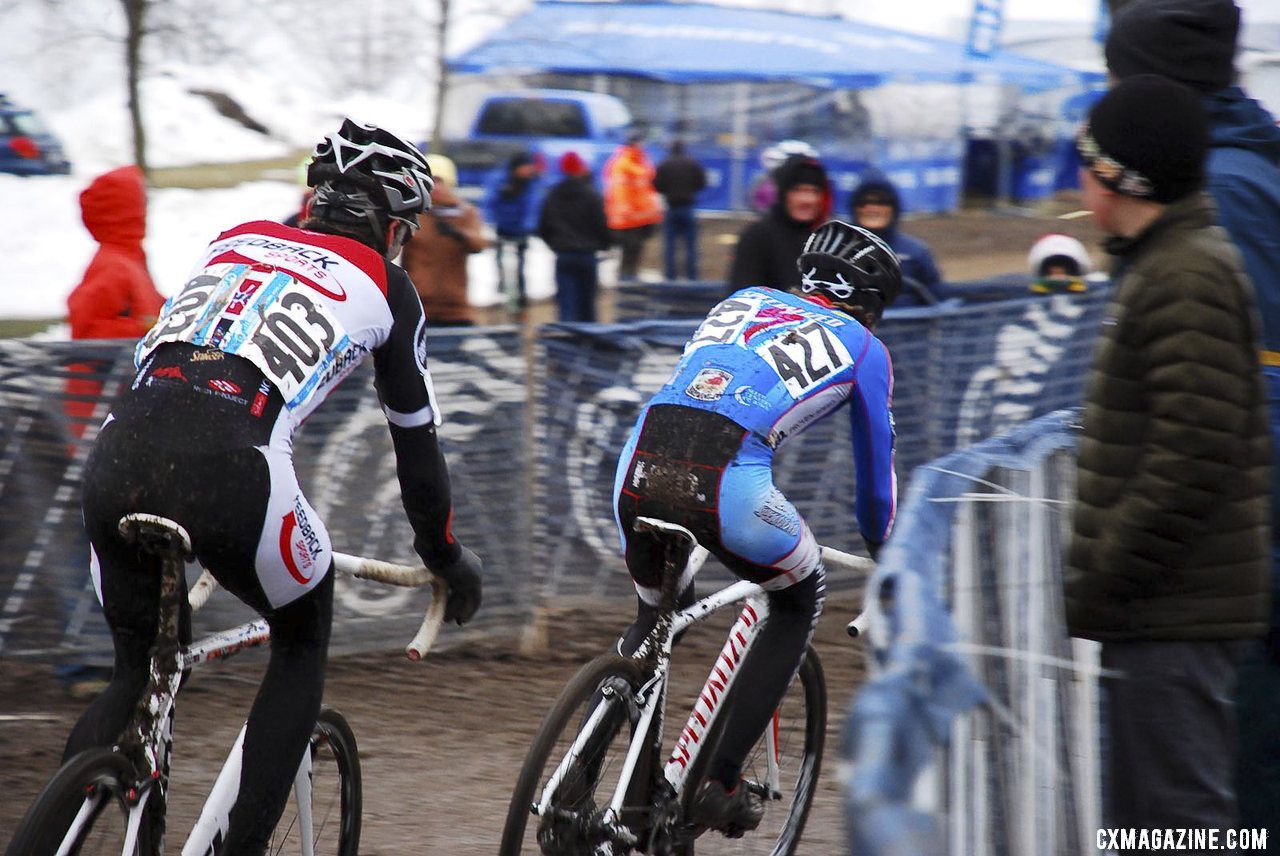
(851, 267)
(362, 173)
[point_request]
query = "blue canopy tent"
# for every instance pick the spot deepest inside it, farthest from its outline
(733, 55)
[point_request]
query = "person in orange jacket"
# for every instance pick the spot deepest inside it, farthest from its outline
(116, 298)
(631, 203)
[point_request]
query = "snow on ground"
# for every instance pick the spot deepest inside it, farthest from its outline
(44, 247)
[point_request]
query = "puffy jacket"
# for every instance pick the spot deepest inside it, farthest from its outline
(630, 200)
(1172, 521)
(116, 299)
(436, 257)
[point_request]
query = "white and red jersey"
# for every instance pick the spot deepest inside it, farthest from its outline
(305, 308)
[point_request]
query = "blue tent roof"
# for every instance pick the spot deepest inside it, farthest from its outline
(688, 42)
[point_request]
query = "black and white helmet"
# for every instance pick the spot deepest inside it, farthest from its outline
(362, 173)
(850, 267)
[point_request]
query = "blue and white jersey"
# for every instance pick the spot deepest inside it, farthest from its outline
(776, 363)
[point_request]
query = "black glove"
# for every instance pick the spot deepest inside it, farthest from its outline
(463, 577)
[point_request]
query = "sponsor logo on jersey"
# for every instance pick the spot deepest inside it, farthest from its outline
(771, 316)
(308, 254)
(777, 514)
(344, 362)
(219, 384)
(750, 397)
(709, 385)
(207, 355)
(260, 400)
(247, 287)
(299, 544)
(170, 373)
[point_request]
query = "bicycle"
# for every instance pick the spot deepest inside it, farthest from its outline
(604, 734)
(115, 799)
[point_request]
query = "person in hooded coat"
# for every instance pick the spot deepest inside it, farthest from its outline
(877, 206)
(116, 298)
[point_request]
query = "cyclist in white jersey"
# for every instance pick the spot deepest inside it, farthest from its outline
(269, 323)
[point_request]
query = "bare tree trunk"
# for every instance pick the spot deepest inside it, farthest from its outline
(442, 75)
(135, 16)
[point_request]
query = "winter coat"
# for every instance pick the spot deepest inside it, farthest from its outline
(768, 249)
(436, 257)
(572, 218)
(1244, 180)
(1172, 518)
(630, 201)
(680, 179)
(511, 202)
(913, 254)
(116, 299)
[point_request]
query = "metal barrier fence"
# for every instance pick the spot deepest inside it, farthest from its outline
(533, 426)
(978, 734)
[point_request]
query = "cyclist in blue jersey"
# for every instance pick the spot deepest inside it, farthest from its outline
(763, 366)
(270, 321)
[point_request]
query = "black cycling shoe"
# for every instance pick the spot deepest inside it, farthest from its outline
(734, 812)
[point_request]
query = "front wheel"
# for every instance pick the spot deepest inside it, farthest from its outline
(569, 818)
(85, 809)
(332, 808)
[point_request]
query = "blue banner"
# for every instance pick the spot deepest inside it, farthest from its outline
(985, 27)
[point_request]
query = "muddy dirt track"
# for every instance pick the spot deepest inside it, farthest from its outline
(440, 742)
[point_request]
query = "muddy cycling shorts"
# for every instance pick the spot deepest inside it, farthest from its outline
(705, 472)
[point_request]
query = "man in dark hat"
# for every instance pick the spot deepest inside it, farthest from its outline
(1170, 553)
(1194, 42)
(767, 249)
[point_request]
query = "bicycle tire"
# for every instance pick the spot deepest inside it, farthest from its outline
(572, 833)
(779, 833)
(337, 793)
(98, 774)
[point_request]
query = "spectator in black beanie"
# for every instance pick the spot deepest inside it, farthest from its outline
(767, 250)
(1170, 552)
(1194, 41)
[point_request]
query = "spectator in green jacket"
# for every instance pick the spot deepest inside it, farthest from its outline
(1170, 555)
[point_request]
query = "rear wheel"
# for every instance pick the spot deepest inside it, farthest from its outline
(336, 794)
(86, 805)
(800, 725)
(570, 819)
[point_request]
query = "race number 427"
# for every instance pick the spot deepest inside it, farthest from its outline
(805, 357)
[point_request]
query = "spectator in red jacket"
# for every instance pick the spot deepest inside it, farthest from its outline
(116, 298)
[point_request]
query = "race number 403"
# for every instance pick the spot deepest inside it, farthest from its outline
(805, 357)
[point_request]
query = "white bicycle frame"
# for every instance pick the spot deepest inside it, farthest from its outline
(215, 815)
(707, 707)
